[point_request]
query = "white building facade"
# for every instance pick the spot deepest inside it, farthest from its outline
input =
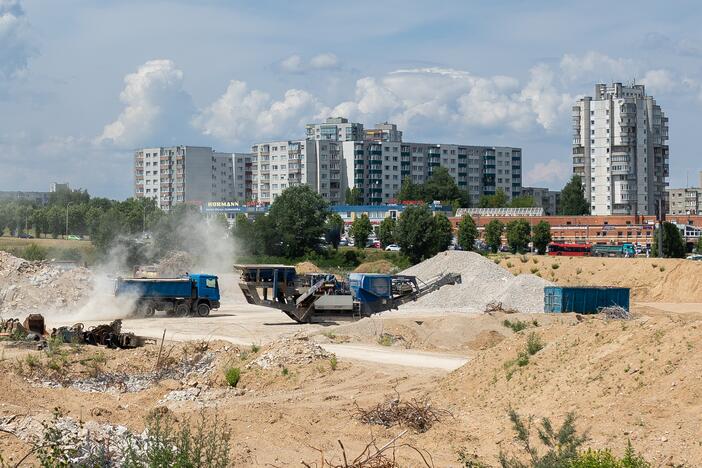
(335, 129)
(620, 150)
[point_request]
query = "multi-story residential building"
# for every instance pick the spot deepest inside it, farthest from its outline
(383, 132)
(241, 166)
(620, 150)
(685, 201)
(544, 198)
(335, 129)
(57, 187)
(183, 174)
(379, 167)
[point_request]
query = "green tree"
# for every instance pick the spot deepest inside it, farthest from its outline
(386, 231)
(493, 234)
(573, 201)
(518, 235)
(361, 229)
(467, 233)
(409, 191)
(541, 236)
(673, 242)
(222, 221)
(334, 229)
(419, 234)
(522, 201)
(442, 234)
(698, 247)
(499, 200)
(441, 186)
(353, 196)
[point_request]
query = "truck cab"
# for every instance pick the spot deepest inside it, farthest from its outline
(207, 288)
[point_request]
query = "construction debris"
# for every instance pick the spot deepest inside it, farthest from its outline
(290, 351)
(109, 335)
(12, 328)
(496, 306)
(615, 313)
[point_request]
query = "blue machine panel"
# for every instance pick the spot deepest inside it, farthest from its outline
(367, 287)
(583, 300)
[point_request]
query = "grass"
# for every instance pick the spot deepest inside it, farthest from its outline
(386, 340)
(516, 326)
(333, 362)
(578, 271)
(534, 344)
(662, 268)
(255, 348)
(555, 266)
(59, 249)
(232, 376)
(285, 372)
(523, 258)
(509, 264)
(534, 270)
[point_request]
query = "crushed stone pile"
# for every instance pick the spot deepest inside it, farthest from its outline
(289, 351)
(175, 264)
(28, 287)
(483, 282)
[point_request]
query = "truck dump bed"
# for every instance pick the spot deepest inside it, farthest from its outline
(155, 287)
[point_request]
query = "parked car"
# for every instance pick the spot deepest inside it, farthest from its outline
(373, 244)
(74, 237)
(393, 248)
(343, 243)
(694, 257)
(24, 235)
(504, 248)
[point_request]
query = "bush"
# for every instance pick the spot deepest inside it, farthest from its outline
(534, 270)
(555, 266)
(232, 376)
(34, 252)
(516, 326)
(534, 344)
(333, 362)
(255, 348)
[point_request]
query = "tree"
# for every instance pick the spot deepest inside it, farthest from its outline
(573, 201)
(419, 234)
(499, 200)
(386, 231)
(467, 233)
(334, 229)
(541, 236)
(298, 216)
(493, 234)
(361, 230)
(673, 243)
(522, 201)
(353, 196)
(518, 235)
(409, 191)
(698, 247)
(441, 186)
(442, 235)
(221, 220)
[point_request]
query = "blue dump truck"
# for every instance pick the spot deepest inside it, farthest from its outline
(194, 294)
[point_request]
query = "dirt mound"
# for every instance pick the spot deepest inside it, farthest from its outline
(289, 351)
(28, 287)
(650, 279)
(636, 380)
(379, 266)
(482, 282)
(175, 264)
(304, 268)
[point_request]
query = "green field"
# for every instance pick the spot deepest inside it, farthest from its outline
(61, 249)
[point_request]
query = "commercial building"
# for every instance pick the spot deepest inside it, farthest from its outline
(620, 150)
(278, 165)
(183, 174)
(545, 198)
(335, 129)
(379, 167)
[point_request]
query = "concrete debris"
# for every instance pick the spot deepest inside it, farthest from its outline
(203, 395)
(289, 351)
(615, 313)
(27, 287)
(483, 282)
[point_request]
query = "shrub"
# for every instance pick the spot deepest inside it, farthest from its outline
(534, 344)
(555, 266)
(34, 252)
(516, 326)
(509, 264)
(534, 270)
(386, 339)
(578, 271)
(333, 362)
(255, 348)
(523, 258)
(232, 376)
(285, 371)
(522, 359)
(535, 260)
(662, 268)
(497, 261)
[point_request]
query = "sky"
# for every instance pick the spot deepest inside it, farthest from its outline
(84, 83)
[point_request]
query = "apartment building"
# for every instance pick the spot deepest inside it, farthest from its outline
(242, 176)
(620, 150)
(544, 198)
(335, 129)
(383, 132)
(683, 201)
(183, 174)
(379, 167)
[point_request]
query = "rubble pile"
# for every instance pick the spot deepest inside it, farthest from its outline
(175, 264)
(27, 287)
(482, 282)
(289, 351)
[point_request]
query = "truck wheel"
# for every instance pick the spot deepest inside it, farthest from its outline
(203, 310)
(146, 309)
(182, 310)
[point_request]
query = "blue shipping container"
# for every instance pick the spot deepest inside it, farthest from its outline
(583, 300)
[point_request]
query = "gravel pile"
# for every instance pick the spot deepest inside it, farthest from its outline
(29, 287)
(483, 282)
(289, 351)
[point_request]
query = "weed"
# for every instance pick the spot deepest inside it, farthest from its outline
(285, 371)
(523, 259)
(533, 270)
(497, 261)
(662, 268)
(32, 361)
(654, 265)
(509, 264)
(538, 274)
(535, 260)
(516, 326)
(522, 359)
(535, 322)
(386, 339)
(329, 335)
(255, 348)
(534, 344)
(333, 362)
(555, 266)
(578, 271)
(232, 376)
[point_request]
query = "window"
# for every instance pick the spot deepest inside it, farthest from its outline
(211, 283)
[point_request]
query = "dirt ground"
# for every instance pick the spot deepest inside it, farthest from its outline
(638, 380)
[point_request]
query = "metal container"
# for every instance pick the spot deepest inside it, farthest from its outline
(584, 300)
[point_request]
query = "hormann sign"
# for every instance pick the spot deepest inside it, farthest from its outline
(229, 207)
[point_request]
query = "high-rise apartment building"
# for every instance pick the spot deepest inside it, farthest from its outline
(620, 150)
(335, 129)
(383, 132)
(241, 166)
(683, 201)
(281, 164)
(181, 174)
(545, 198)
(379, 167)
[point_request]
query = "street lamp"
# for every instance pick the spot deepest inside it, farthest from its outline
(67, 205)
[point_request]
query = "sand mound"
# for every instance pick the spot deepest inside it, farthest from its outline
(304, 268)
(483, 282)
(380, 266)
(289, 351)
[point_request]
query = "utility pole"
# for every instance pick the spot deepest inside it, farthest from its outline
(67, 205)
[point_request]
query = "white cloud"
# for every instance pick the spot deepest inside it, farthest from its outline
(15, 48)
(658, 81)
(554, 173)
(324, 61)
(292, 64)
(595, 66)
(240, 115)
(157, 109)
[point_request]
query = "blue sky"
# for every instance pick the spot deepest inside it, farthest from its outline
(82, 83)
